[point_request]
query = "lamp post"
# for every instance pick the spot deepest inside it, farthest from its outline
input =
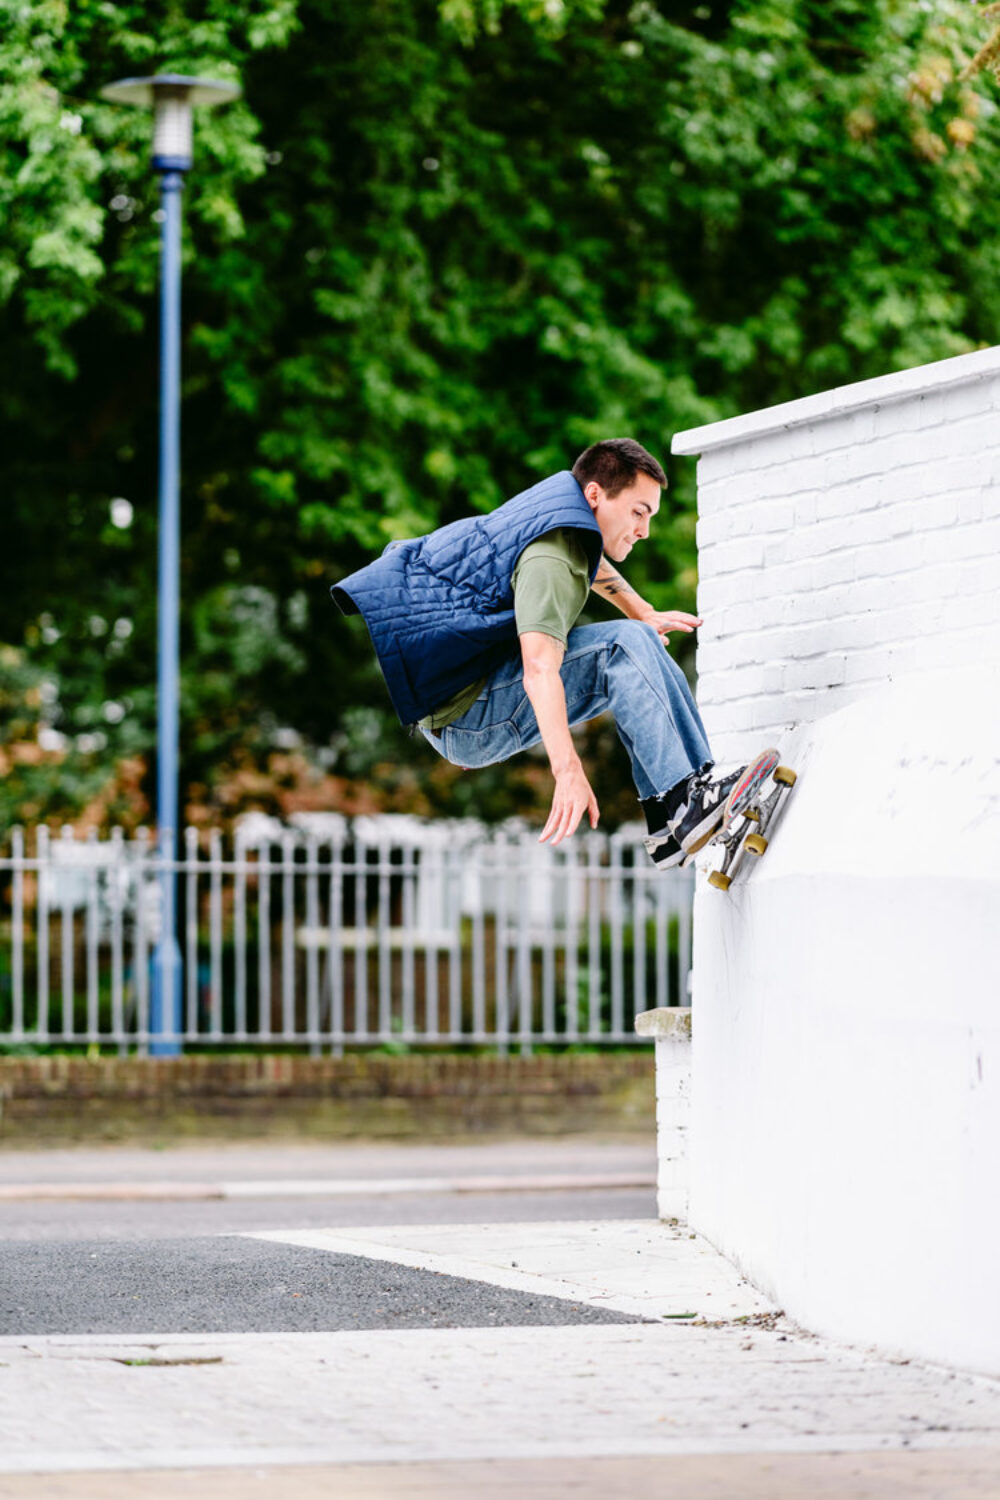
(172, 97)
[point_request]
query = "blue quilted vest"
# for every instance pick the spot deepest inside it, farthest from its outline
(440, 608)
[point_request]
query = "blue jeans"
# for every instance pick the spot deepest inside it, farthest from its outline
(622, 666)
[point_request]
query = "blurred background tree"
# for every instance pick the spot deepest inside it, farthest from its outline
(434, 251)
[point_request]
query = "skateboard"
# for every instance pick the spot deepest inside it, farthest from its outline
(751, 810)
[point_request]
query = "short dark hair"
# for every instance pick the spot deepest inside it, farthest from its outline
(614, 463)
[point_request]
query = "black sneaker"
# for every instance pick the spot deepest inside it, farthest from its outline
(704, 810)
(664, 850)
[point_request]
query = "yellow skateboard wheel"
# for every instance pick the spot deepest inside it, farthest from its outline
(720, 881)
(785, 776)
(755, 843)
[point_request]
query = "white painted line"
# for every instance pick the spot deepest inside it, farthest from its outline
(240, 1457)
(378, 1187)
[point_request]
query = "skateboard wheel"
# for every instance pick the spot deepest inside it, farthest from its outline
(785, 776)
(751, 814)
(720, 881)
(756, 843)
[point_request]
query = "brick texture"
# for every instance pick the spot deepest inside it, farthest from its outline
(847, 548)
(50, 1099)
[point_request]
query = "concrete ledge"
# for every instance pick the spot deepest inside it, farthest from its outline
(979, 365)
(63, 1100)
(671, 1022)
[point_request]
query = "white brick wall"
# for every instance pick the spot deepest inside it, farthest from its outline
(844, 540)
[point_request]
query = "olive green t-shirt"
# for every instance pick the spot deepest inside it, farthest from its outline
(551, 582)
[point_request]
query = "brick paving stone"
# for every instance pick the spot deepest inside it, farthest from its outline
(469, 1394)
(743, 1400)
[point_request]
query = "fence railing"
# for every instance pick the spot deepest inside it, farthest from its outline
(381, 932)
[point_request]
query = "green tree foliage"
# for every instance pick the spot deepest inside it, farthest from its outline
(433, 252)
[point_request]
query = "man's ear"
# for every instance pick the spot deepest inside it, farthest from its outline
(592, 493)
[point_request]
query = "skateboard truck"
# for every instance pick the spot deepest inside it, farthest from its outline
(745, 827)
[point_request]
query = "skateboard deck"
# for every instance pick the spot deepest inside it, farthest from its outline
(752, 810)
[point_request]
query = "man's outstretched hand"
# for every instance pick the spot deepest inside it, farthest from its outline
(573, 797)
(666, 620)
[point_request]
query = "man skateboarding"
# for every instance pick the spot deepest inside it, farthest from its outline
(475, 630)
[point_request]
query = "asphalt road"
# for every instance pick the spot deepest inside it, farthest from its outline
(162, 1266)
(226, 1284)
(154, 1221)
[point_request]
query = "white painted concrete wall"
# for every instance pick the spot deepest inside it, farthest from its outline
(670, 1027)
(846, 1057)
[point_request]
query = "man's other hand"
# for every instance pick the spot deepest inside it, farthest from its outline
(665, 620)
(573, 797)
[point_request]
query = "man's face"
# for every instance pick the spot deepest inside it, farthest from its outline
(624, 520)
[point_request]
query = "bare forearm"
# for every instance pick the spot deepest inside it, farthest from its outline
(573, 796)
(609, 584)
(544, 688)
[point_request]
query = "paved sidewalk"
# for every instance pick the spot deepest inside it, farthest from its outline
(442, 1395)
(712, 1395)
(732, 1387)
(643, 1268)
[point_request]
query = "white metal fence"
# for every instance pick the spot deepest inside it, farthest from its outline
(381, 931)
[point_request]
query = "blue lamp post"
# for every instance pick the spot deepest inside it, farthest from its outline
(172, 97)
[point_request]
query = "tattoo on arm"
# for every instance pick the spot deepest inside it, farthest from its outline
(609, 583)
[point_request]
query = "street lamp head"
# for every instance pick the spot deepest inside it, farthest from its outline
(172, 96)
